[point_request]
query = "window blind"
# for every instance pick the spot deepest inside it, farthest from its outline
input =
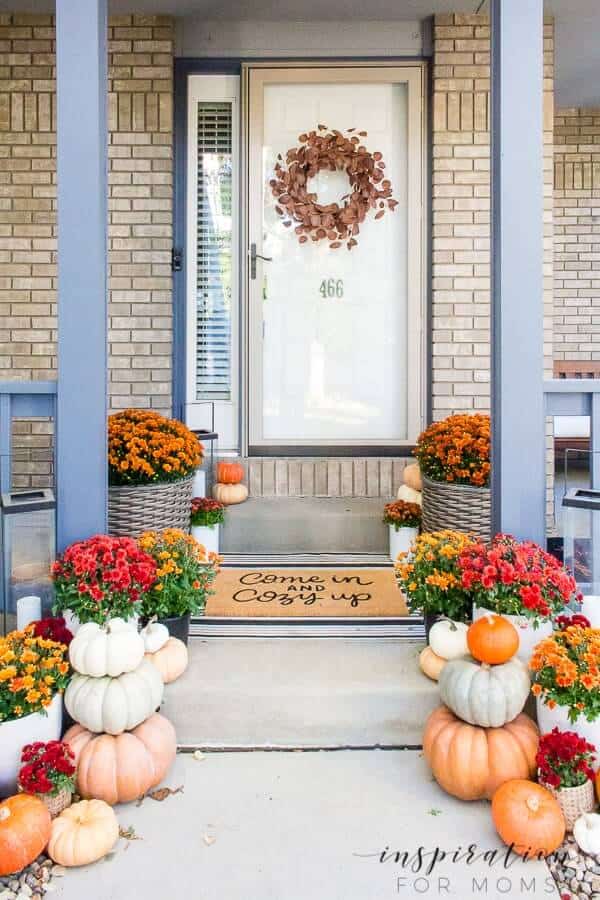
(213, 249)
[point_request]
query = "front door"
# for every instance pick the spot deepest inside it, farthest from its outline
(334, 335)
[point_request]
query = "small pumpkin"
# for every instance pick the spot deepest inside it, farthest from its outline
(230, 472)
(431, 664)
(228, 494)
(115, 704)
(121, 769)
(409, 494)
(484, 695)
(24, 832)
(528, 818)
(171, 660)
(470, 762)
(448, 639)
(492, 639)
(586, 832)
(83, 833)
(412, 476)
(106, 650)
(155, 635)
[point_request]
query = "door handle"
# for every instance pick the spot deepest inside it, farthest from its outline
(253, 257)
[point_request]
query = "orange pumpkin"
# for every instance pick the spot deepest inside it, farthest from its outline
(528, 818)
(122, 768)
(230, 472)
(492, 639)
(25, 826)
(171, 660)
(470, 762)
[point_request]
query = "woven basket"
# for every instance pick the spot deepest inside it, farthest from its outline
(575, 801)
(459, 507)
(55, 803)
(133, 509)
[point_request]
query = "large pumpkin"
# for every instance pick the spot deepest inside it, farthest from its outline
(115, 704)
(171, 660)
(121, 769)
(528, 818)
(109, 650)
(24, 832)
(230, 472)
(492, 639)
(83, 833)
(228, 494)
(471, 763)
(485, 695)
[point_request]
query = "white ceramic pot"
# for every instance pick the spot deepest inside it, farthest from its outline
(18, 732)
(401, 540)
(528, 635)
(590, 608)
(208, 536)
(71, 621)
(559, 718)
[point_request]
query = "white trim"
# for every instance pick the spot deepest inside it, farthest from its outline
(198, 413)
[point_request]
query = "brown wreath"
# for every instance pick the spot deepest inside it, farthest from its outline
(332, 151)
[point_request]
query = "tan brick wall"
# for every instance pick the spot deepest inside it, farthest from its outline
(577, 234)
(140, 204)
(461, 211)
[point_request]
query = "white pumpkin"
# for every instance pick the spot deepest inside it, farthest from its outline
(448, 639)
(488, 696)
(409, 494)
(106, 650)
(586, 832)
(114, 705)
(155, 635)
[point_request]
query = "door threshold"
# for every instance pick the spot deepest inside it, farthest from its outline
(409, 628)
(314, 560)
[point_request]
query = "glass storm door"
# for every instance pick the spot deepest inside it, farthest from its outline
(335, 346)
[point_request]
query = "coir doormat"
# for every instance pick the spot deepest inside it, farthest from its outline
(306, 592)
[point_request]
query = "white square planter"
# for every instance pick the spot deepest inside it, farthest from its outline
(16, 733)
(208, 536)
(401, 540)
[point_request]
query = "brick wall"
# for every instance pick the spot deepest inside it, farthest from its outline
(577, 234)
(461, 211)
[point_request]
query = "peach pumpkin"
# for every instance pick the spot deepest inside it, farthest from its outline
(528, 818)
(412, 476)
(122, 768)
(24, 832)
(83, 833)
(431, 664)
(470, 762)
(171, 660)
(229, 494)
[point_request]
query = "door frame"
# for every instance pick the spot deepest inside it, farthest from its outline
(183, 68)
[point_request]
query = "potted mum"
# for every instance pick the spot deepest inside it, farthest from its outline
(431, 581)
(101, 578)
(565, 764)
(566, 682)
(403, 520)
(48, 772)
(184, 573)
(454, 459)
(151, 465)
(517, 580)
(207, 515)
(33, 676)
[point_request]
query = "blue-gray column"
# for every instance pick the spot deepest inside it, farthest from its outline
(518, 431)
(81, 57)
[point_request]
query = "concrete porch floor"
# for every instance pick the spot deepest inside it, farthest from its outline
(302, 826)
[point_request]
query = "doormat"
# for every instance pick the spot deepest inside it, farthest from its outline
(306, 592)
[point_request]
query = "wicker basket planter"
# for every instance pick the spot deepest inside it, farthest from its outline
(133, 509)
(56, 803)
(459, 507)
(575, 801)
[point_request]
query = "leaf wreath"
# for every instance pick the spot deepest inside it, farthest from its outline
(330, 150)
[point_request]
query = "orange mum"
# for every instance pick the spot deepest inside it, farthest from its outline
(456, 450)
(145, 447)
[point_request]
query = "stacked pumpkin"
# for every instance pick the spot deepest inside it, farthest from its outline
(168, 654)
(412, 487)
(480, 744)
(447, 640)
(122, 746)
(229, 488)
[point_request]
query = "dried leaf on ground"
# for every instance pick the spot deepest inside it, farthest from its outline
(129, 833)
(161, 794)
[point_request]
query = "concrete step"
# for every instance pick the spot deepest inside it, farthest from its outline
(301, 693)
(305, 525)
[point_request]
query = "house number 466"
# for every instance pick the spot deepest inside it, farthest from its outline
(331, 287)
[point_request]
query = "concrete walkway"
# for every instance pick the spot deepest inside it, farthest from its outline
(303, 826)
(301, 693)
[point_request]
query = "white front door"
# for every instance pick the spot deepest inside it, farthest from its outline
(334, 335)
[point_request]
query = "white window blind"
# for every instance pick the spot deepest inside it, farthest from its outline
(214, 251)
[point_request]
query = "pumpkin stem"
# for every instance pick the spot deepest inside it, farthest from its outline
(4, 813)
(532, 804)
(450, 622)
